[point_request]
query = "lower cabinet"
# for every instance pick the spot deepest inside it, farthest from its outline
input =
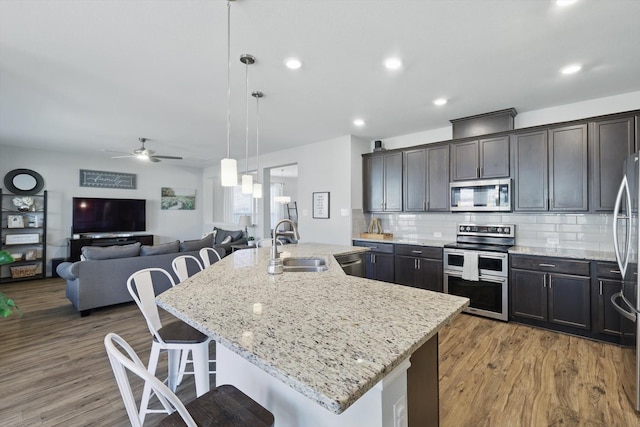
(419, 266)
(379, 261)
(555, 291)
(608, 282)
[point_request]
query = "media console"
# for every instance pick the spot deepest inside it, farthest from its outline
(110, 240)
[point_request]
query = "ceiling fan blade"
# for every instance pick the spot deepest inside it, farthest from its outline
(122, 157)
(154, 160)
(168, 157)
(113, 151)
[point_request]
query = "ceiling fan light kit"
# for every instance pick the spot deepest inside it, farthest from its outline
(144, 154)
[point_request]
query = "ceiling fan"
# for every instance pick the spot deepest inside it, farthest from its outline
(143, 153)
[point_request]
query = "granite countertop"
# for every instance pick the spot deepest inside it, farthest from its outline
(327, 335)
(563, 253)
(406, 241)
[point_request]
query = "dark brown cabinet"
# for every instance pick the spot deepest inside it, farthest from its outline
(610, 141)
(379, 261)
(551, 290)
(426, 179)
(483, 158)
(382, 177)
(550, 169)
(419, 266)
(608, 282)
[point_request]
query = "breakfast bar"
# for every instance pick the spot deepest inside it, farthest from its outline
(319, 348)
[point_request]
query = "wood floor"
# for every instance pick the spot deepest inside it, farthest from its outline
(55, 371)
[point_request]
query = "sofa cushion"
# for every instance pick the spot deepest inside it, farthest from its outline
(164, 248)
(111, 252)
(68, 270)
(196, 245)
(223, 234)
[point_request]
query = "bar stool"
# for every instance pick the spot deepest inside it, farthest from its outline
(180, 265)
(208, 254)
(222, 406)
(175, 338)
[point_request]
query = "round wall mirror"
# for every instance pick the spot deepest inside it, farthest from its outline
(24, 182)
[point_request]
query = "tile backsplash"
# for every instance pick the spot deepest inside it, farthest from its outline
(564, 231)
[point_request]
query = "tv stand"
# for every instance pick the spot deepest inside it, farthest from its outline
(105, 240)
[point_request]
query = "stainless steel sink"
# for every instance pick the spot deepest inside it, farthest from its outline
(304, 264)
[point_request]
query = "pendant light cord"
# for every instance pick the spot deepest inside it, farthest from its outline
(246, 159)
(228, 79)
(257, 138)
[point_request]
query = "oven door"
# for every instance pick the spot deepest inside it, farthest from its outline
(488, 296)
(489, 263)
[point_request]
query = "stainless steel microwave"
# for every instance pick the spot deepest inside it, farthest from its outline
(481, 195)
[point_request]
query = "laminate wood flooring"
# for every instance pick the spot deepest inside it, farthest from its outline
(54, 370)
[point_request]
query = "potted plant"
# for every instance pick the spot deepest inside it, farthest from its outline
(251, 241)
(7, 306)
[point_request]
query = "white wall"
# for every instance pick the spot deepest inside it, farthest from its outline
(61, 173)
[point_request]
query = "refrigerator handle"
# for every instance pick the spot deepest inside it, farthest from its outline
(624, 189)
(629, 315)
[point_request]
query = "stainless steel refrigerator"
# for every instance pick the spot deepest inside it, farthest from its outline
(626, 302)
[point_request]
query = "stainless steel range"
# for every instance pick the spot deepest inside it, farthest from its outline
(476, 266)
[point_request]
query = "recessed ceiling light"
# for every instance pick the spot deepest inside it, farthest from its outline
(293, 63)
(563, 3)
(358, 122)
(440, 101)
(571, 69)
(393, 63)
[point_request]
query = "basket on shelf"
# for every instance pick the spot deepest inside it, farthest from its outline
(23, 271)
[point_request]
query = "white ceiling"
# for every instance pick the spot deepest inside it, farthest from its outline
(92, 75)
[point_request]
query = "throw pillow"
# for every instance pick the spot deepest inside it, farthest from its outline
(110, 252)
(223, 234)
(196, 245)
(164, 248)
(226, 240)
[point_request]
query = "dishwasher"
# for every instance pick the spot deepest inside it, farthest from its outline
(352, 264)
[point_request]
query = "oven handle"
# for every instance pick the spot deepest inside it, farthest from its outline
(483, 254)
(483, 278)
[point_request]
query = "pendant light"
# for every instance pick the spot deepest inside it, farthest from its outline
(228, 166)
(257, 187)
(247, 180)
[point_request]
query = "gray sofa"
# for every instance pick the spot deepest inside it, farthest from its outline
(100, 279)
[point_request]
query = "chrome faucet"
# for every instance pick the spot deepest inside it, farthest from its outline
(275, 263)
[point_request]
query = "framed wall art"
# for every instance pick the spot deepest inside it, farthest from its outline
(321, 205)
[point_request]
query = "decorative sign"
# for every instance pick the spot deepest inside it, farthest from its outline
(104, 179)
(20, 239)
(321, 205)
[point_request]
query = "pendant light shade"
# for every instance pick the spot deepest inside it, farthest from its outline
(247, 180)
(228, 166)
(257, 187)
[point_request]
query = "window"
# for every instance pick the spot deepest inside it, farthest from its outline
(243, 204)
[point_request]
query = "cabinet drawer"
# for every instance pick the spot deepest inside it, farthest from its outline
(608, 270)
(386, 248)
(419, 251)
(551, 265)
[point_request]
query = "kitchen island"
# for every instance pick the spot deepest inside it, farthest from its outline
(319, 348)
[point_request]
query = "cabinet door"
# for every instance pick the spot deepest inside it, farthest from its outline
(611, 141)
(569, 302)
(429, 274)
(393, 182)
(415, 180)
(373, 178)
(528, 294)
(405, 270)
(530, 160)
(568, 169)
(494, 157)
(609, 320)
(464, 161)
(438, 178)
(383, 267)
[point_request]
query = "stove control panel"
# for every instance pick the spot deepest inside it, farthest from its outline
(497, 230)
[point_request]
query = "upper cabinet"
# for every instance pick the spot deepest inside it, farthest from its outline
(383, 182)
(550, 169)
(483, 158)
(426, 179)
(611, 141)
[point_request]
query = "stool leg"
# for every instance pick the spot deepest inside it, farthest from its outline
(200, 354)
(183, 365)
(146, 393)
(174, 368)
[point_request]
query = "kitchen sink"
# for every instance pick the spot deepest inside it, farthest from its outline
(304, 264)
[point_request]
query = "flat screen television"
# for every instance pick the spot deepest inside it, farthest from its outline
(94, 215)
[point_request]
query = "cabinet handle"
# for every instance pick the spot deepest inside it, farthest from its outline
(415, 264)
(547, 265)
(419, 264)
(477, 172)
(416, 252)
(600, 281)
(550, 282)
(544, 281)
(373, 258)
(614, 271)
(480, 173)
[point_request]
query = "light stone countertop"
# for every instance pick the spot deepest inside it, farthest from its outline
(407, 241)
(563, 253)
(327, 335)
